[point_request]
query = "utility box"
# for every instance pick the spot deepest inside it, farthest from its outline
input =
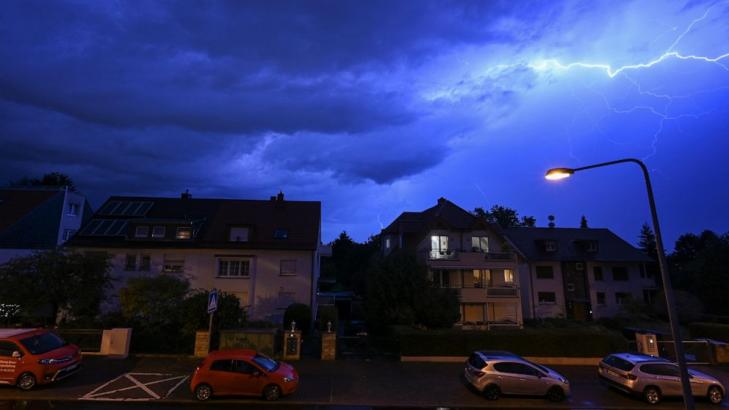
(202, 343)
(328, 346)
(647, 343)
(292, 345)
(116, 342)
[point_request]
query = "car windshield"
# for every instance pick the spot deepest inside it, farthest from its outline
(43, 343)
(266, 362)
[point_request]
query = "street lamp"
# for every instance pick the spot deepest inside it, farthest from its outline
(562, 173)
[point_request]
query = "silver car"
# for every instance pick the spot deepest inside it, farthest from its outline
(654, 377)
(496, 373)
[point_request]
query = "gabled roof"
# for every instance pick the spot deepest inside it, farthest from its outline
(30, 217)
(444, 214)
(211, 219)
(611, 248)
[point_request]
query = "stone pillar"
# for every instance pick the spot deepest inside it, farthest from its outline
(647, 343)
(116, 342)
(292, 345)
(202, 343)
(328, 346)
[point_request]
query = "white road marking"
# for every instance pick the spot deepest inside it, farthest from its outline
(99, 395)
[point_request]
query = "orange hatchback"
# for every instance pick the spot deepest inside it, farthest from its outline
(243, 373)
(29, 357)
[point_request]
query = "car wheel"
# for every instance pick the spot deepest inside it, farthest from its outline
(272, 392)
(26, 381)
(491, 392)
(203, 392)
(715, 395)
(555, 394)
(652, 395)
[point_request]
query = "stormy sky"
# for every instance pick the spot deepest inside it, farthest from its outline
(377, 107)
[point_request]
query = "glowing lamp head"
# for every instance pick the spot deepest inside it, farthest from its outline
(556, 174)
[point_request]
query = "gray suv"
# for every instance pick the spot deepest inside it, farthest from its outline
(496, 373)
(654, 377)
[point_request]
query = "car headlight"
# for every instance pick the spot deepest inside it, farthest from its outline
(287, 379)
(46, 361)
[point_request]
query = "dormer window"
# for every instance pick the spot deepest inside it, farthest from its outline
(183, 232)
(141, 231)
(550, 246)
(73, 209)
(238, 234)
(590, 246)
(281, 233)
(158, 231)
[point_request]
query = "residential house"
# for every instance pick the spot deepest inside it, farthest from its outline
(265, 252)
(38, 218)
(579, 273)
(464, 253)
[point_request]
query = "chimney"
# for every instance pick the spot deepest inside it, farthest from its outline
(186, 195)
(280, 196)
(551, 221)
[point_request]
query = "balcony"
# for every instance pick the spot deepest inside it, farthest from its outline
(502, 292)
(499, 256)
(449, 254)
(483, 295)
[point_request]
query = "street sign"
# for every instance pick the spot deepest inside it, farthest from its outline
(213, 301)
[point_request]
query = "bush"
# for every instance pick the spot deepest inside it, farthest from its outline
(594, 341)
(715, 331)
(300, 313)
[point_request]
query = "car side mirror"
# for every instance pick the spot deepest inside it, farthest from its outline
(17, 355)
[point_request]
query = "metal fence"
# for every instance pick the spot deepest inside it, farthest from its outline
(695, 351)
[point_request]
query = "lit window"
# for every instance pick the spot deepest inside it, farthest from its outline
(509, 276)
(158, 231)
(238, 234)
(141, 231)
(288, 267)
(184, 232)
(439, 247)
(480, 244)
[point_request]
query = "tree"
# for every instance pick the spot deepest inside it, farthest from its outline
(349, 261)
(647, 241)
(53, 179)
(399, 293)
(65, 284)
(504, 216)
(583, 222)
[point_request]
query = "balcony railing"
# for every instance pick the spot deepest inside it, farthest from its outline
(443, 254)
(502, 256)
(502, 291)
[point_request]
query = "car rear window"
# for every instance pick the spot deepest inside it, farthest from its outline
(43, 343)
(619, 363)
(476, 361)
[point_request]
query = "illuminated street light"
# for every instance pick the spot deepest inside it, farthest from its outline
(562, 173)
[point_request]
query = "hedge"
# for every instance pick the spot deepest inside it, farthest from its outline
(593, 341)
(715, 331)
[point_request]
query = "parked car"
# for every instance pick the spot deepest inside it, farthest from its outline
(29, 357)
(242, 372)
(654, 378)
(495, 373)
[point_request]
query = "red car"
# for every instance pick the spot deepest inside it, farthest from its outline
(29, 357)
(245, 373)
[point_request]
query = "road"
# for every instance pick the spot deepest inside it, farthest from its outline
(337, 385)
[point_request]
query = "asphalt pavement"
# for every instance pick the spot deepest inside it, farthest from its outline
(344, 384)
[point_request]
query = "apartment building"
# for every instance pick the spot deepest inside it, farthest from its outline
(464, 253)
(579, 273)
(38, 218)
(265, 252)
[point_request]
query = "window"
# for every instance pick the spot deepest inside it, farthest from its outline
(515, 368)
(619, 363)
(550, 246)
(234, 268)
(547, 297)
(222, 365)
(240, 366)
(661, 370)
(68, 233)
(387, 243)
(545, 272)
(238, 234)
(439, 246)
(441, 279)
(281, 233)
(73, 209)
(183, 232)
(142, 231)
(597, 273)
(622, 298)
(509, 276)
(173, 264)
(476, 361)
(288, 267)
(158, 231)
(473, 278)
(7, 349)
(130, 263)
(570, 287)
(144, 263)
(473, 312)
(620, 273)
(601, 298)
(649, 296)
(590, 246)
(480, 243)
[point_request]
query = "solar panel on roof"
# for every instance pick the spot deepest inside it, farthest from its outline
(143, 209)
(122, 230)
(121, 208)
(132, 208)
(91, 227)
(106, 210)
(103, 226)
(114, 227)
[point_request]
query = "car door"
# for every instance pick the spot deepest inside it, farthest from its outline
(669, 379)
(9, 365)
(512, 378)
(246, 378)
(529, 381)
(220, 375)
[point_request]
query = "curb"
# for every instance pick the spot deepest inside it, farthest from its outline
(550, 361)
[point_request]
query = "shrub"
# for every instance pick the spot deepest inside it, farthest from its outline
(594, 341)
(716, 331)
(300, 313)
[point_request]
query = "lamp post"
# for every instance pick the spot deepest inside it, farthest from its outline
(562, 173)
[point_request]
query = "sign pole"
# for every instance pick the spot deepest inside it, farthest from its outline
(212, 307)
